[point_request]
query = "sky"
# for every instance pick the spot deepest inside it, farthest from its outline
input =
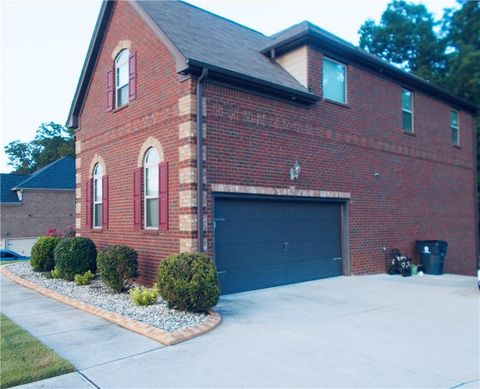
(44, 44)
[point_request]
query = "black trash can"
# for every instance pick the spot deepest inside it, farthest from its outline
(433, 254)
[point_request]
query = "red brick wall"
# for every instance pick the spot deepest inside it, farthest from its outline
(118, 136)
(425, 187)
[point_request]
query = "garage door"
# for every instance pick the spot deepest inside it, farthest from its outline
(262, 242)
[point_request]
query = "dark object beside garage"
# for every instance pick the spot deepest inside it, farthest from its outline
(433, 260)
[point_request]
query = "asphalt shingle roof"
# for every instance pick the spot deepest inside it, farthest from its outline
(7, 182)
(214, 40)
(57, 175)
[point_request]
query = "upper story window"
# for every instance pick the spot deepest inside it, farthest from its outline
(407, 110)
(97, 196)
(455, 127)
(121, 78)
(334, 81)
(151, 188)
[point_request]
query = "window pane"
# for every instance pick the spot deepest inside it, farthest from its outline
(122, 96)
(454, 118)
(407, 121)
(97, 184)
(333, 81)
(97, 215)
(122, 75)
(151, 181)
(152, 212)
(406, 100)
(455, 138)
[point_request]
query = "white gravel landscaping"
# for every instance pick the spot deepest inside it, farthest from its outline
(157, 315)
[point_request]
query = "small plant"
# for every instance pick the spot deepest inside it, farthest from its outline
(70, 232)
(189, 282)
(42, 258)
(84, 279)
(75, 256)
(143, 296)
(118, 266)
(53, 232)
(55, 273)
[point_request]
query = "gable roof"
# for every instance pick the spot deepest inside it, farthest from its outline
(237, 54)
(7, 182)
(60, 174)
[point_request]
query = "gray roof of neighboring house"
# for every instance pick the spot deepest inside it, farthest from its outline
(7, 182)
(59, 175)
(239, 55)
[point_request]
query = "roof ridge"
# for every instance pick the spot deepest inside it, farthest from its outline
(222, 17)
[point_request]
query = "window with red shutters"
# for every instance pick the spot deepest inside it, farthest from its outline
(132, 77)
(105, 205)
(110, 88)
(88, 197)
(137, 198)
(163, 195)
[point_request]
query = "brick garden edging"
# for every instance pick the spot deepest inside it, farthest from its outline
(164, 337)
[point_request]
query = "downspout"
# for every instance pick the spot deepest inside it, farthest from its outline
(200, 81)
(475, 191)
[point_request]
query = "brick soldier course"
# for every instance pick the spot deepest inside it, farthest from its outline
(399, 186)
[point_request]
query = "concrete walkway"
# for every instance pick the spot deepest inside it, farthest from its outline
(369, 331)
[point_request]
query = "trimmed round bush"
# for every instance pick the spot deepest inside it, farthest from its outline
(75, 256)
(42, 258)
(189, 282)
(117, 266)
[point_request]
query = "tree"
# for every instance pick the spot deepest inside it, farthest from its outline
(406, 37)
(52, 141)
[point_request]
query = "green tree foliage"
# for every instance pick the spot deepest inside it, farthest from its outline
(52, 141)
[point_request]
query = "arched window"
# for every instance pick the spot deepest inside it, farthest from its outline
(121, 78)
(151, 186)
(97, 196)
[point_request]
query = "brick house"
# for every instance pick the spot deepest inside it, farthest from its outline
(32, 204)
(315, 154)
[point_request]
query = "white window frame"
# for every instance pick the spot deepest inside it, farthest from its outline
(150, 165)
(452, 127)
(344, 85)
(123, 59)
(412, 94)
(97, 180)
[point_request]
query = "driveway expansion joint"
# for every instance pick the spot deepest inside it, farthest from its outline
(163, 337)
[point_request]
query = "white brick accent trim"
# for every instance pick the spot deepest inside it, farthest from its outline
(148, 144)
(291, 191)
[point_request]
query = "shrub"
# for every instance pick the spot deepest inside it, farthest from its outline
(83, 279)
(117, 266)
(55, 273)
(188, 282)
(75, 256)
(143, 296)
(42, 258)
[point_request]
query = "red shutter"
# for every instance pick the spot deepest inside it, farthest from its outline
(110, 88)
(132, 77)
(105, 202)
(89, 204)
(163, 195)
(137, 199)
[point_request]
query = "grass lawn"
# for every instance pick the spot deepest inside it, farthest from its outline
(25, 359)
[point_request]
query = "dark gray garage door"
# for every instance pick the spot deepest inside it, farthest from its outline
(262, 242)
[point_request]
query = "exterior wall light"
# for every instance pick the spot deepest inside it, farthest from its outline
(295, 171)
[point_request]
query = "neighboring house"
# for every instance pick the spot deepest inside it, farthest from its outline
(315, 154)
(32, 204)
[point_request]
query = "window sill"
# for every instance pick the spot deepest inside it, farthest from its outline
(97, 230)
(120, 108)
(150, 232)
(457, 146)
(409, 133)
(344, 105)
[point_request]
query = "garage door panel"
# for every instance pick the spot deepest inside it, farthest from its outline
(261, 243)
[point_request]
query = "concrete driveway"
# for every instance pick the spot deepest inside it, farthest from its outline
(369, 331)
